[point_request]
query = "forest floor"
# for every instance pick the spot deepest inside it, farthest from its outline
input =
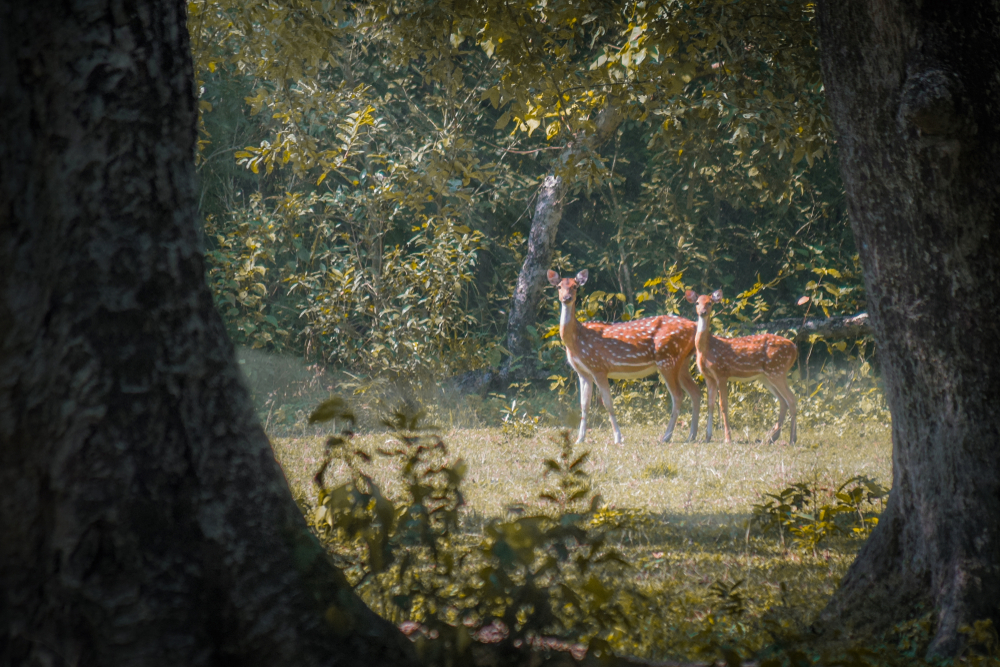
(685, 512)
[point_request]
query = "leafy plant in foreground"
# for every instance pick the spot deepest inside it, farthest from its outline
(530, 580)
(798, 510)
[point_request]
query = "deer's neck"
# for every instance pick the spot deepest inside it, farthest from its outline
(568, 325)
(702, 335)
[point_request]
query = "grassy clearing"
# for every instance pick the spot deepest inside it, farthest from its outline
(676, 479)
(682, 512)
(700, 573)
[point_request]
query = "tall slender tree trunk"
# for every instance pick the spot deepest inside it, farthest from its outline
(531, 280)
(144, 520)
(914, 90)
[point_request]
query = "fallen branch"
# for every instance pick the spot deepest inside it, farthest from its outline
(837, 327)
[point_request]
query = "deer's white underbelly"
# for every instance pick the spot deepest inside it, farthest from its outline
(632, 374)
(752, 378)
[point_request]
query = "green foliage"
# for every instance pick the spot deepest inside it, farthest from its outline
(533, 576)
(799, 510)
(572, 480)
(518, 423)
(368, 168)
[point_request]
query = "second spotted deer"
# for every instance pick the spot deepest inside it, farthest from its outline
(598, 351)
(766, 358)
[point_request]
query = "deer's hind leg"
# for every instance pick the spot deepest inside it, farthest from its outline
(586, 392)
(775, 431)
(724, 408)
(694, 393)
(669, 374)
(786, 397)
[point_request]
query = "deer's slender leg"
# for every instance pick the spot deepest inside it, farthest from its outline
(694, 392)
(669, 374)
(775, 431)
(586, 391)
(781, 385)
(711, 407)
(605, 389)
(724, 407)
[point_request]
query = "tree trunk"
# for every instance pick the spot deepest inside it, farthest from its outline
(144, 520)
(531, 280)
(914, 93)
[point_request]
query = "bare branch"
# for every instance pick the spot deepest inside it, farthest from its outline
(837, 327)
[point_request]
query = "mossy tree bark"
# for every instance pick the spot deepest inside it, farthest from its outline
(144, 520)
(914, 91)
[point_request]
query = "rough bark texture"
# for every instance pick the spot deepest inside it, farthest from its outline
(914, 91)
(144, 520)
(531, 281)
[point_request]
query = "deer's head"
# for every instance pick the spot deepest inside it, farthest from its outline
(703, 304)
(567, 286)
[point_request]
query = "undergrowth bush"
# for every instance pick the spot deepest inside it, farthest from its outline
(533, 577)
(799, 510)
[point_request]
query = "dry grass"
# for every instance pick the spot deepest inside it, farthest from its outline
(683, 510)
(677, 478)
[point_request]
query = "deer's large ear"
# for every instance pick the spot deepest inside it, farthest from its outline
(717, 296)
(691, 296)
(581, 277)
(553, 278)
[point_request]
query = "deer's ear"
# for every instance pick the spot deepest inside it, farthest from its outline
(691, 295)
(717, 296)
(581, 277)
(553, 278)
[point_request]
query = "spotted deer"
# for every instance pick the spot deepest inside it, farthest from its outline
(598, 351)
(764, 357)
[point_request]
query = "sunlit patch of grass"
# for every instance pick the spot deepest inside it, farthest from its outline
(682, 511)
(660, 470)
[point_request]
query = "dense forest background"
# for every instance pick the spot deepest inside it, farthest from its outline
(368, 171)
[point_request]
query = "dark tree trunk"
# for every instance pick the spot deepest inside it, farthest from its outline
(144, 520)
(914, 91)
(531, 281)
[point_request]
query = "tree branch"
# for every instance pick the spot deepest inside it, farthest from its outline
(837, 327)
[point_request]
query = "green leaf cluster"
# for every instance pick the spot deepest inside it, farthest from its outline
(799, 510)
(529, 577)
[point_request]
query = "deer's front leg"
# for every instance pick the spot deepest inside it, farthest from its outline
(724, 408)
(602, 384)
(711, 406)
(586, 391)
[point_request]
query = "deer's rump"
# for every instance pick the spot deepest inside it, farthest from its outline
(750, 357)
